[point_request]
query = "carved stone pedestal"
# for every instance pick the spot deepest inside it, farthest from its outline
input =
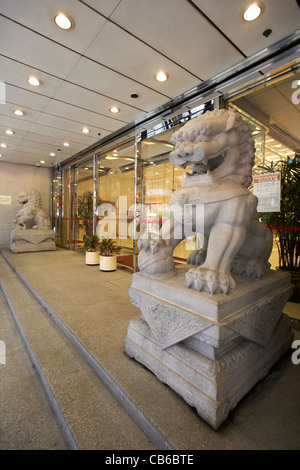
(31, 240)
(210, 349)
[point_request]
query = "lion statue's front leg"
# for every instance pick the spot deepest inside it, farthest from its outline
(237, 243)
(214, 274)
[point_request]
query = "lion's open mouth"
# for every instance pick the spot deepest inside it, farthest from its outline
(202, 168)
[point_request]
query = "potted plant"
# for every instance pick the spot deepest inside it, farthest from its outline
(91, 244)
(85, 211)
(285, 224)
(108, 254)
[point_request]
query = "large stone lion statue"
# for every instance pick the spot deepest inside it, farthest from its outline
(214, 201)
(31, 215)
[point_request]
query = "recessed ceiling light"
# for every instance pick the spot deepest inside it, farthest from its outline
(9, 132)
(18, 112)
(42, 161)
(64, 21)
(52, 154)
(114, 109)
(34, 81)
(66, 144)
(252, 11)
(4, 146)
(161, 76)
(0, 155)
(85, 130)
(111, 158)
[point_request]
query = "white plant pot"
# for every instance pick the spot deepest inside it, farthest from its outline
(91, 258)
(108, 263)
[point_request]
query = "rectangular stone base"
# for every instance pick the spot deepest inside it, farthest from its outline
(30, 240)
(213, 387)
(211, 349)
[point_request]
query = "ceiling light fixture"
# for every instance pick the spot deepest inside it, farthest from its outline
(66, 144)
(64, 21)
(18, 112)
(42, 161)
(34, 81)
(9, 132)
(85, 130)
(52, 154)
(4, 146)
(161, 76)
(252, 11)
(114, 109)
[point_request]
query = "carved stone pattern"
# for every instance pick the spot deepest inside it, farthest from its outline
(214, 368)
(259, 323)
(168, 324)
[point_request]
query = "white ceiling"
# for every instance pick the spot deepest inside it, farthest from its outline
(114, 50)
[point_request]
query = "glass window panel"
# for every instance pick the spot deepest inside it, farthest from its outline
(115, 214)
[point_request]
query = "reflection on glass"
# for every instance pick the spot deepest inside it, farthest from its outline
(115, 214)
(84, 205)
(159, 180)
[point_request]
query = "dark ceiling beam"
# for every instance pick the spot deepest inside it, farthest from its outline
(216, 28)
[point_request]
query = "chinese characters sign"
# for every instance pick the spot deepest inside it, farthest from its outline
(267, 189)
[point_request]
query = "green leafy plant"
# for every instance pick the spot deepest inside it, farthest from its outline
(91, 243)
(85, 211)
(288, 241)
(108, 247)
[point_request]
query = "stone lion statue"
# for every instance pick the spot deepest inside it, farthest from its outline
(214, 201)
(31, 215)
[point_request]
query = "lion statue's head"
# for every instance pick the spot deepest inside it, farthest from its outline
(30, 198)
(218, 144)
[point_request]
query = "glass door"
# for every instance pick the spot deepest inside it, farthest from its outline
(61, 207)
(82, 203)
(159, 180)
(116, 190)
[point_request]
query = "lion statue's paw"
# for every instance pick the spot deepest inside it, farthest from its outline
(155, 258)
(208, 280)
(197, 257)
(253, 267)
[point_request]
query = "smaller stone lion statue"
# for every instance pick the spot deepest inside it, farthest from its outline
(31, 215)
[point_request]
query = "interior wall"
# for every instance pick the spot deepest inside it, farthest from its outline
(14, 179)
